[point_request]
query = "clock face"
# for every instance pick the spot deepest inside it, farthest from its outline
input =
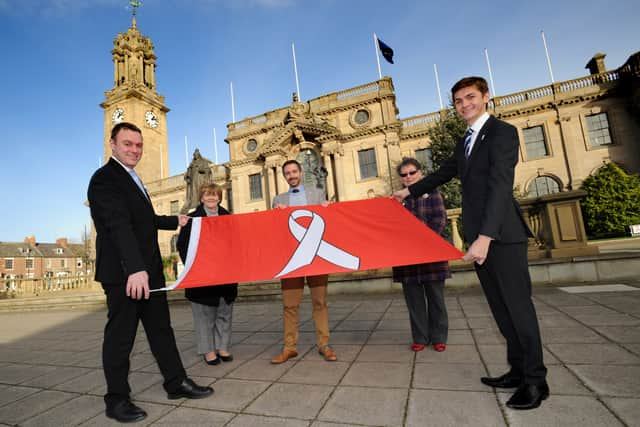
(151, 119)
(117, 116)
(252, 144)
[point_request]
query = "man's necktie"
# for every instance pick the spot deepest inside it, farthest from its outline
(138, 182)
(467, 143)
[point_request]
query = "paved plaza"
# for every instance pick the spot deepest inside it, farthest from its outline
(50, 368)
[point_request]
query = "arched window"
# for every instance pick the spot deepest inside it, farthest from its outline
(543, 185)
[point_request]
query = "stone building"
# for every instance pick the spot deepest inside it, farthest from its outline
(54, 263)
(350, 141)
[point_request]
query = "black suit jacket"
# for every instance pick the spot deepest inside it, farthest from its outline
(488, 205)
(126, 226)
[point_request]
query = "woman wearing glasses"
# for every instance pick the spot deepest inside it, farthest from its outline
(423, 284)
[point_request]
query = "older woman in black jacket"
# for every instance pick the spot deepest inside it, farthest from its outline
(212, 306)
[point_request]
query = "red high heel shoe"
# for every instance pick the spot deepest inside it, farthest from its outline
(439, 347)
(418, 347)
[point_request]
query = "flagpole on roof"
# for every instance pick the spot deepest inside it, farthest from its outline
(295, 70)
(546, 51)
(375, 44)
(435, 70)
(215, 146)
(493, 88)
(233, 107)
(186, 153)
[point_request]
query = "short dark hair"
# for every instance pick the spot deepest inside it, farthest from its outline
(479, 82)
(124, 125)
(408, 161)
(291, 162)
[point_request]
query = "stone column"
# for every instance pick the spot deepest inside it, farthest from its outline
(338, 157)
(331, 190)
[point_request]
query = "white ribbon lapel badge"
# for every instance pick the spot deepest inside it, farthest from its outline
(310, 245)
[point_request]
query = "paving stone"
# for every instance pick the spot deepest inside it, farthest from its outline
(261, 421)
(57, 376)
(386, 353)
(291, 400)
(230, 395)
(564, 335)
(261, 370)
(378, 374)
(10, 393)
(351, 337)
(455, 353)
(621, 334)
(557, 321)
(188, 417)
(84, 383)
(497, 353)
(32, 405)
(71, 412)
(368, 406)
(610, 380)
(594, 354)
(443, 376)
(154, 412)
(453, 408)
(356, 325)
(315, 372)
(22, 373)
(562, 411)
(627, 409)
(608, 320)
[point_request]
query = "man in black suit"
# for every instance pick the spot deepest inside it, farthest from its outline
(494, 227)
(128, 264)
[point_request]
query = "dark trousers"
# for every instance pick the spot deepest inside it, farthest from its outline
(507, 286)
(119, 337)
(427, 311)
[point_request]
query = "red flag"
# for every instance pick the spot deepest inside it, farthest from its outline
(308, 240)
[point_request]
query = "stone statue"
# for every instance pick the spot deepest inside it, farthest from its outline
(198, 173)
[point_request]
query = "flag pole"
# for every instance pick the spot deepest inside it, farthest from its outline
(375, 45)
(233, 107)
(295, 70)
(493, 88)
(435, 70)
(546, 51)
(186, 153)
(215, 146)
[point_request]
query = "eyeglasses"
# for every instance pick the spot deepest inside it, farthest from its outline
(404, 175)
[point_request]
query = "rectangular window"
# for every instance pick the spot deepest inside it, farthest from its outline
(63, 263)
(534, 142)
(598, 128)
(28, 263)
(368, 165)
(48, 262)
(175, 207)
(424, 156)
(255, 186)
(8, 264)
(79, 262)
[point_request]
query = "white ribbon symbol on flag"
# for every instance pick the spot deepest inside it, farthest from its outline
(310, 244)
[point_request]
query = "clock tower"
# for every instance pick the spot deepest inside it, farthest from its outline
(134, 99)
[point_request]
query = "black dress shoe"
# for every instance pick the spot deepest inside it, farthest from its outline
(190, 390)
(508, 380)
(215, 361)
(228, 358)
(126, 412)
(528, 396)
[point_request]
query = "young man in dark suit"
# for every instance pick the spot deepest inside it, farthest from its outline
(128, 264)
(494, 227)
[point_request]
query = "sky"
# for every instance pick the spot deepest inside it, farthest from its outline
(56, 65)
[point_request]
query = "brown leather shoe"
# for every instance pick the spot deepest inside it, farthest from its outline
(328, 354)
(284, 356)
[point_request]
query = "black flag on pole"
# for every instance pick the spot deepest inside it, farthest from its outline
(386, 51)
